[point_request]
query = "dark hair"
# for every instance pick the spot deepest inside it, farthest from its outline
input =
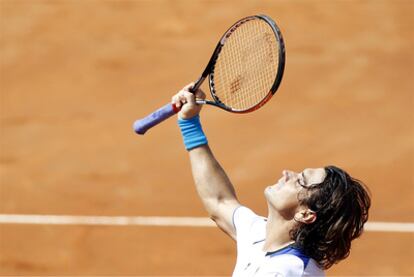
(341, 204)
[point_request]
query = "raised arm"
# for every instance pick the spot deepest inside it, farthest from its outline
(212, 184)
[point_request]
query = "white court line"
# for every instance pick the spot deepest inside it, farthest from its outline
(106, 220)
(160, 221)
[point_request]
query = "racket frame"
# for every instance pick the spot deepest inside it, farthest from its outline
(209, 70)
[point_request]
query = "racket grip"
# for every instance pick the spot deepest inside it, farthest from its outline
(144, 124)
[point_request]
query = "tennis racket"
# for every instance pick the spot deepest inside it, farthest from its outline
(244, 72)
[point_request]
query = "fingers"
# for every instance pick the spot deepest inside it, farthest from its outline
(199, 94)
(185, 101)
(184, 96)
(179, 99)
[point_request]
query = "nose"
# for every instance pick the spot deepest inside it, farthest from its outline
(286, 175)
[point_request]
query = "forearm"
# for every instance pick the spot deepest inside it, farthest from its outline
(211, 182)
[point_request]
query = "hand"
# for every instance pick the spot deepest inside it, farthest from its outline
(186, 101)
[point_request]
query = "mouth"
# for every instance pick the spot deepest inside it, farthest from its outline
(278, 185)
(281, 181)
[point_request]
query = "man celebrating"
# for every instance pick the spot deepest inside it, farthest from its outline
(312, 216)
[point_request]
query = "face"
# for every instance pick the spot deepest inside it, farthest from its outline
(283, 197)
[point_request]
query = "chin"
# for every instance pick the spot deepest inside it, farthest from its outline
(266, 192)
(270, 198)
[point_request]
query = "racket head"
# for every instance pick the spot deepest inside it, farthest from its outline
(247, 66)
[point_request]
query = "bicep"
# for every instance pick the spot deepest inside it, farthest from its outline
(223, 216)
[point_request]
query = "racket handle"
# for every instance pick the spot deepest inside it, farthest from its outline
(144, 124)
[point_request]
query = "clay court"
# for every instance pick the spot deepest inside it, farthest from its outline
(74, 75)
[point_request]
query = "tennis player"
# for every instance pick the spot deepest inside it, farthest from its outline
(312, 218)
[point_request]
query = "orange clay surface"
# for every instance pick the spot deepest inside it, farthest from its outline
(76, 74)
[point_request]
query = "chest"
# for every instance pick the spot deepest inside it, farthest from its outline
(253, 261)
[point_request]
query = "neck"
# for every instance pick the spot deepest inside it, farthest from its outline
(277, 232)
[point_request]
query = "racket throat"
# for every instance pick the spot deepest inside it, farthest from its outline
(198, 83)
(213, 103)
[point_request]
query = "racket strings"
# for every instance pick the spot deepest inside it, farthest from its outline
(247, 65)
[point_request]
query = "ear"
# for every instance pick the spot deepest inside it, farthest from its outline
(305, 216)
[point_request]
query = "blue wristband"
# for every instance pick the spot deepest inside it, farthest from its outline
(192, 132)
